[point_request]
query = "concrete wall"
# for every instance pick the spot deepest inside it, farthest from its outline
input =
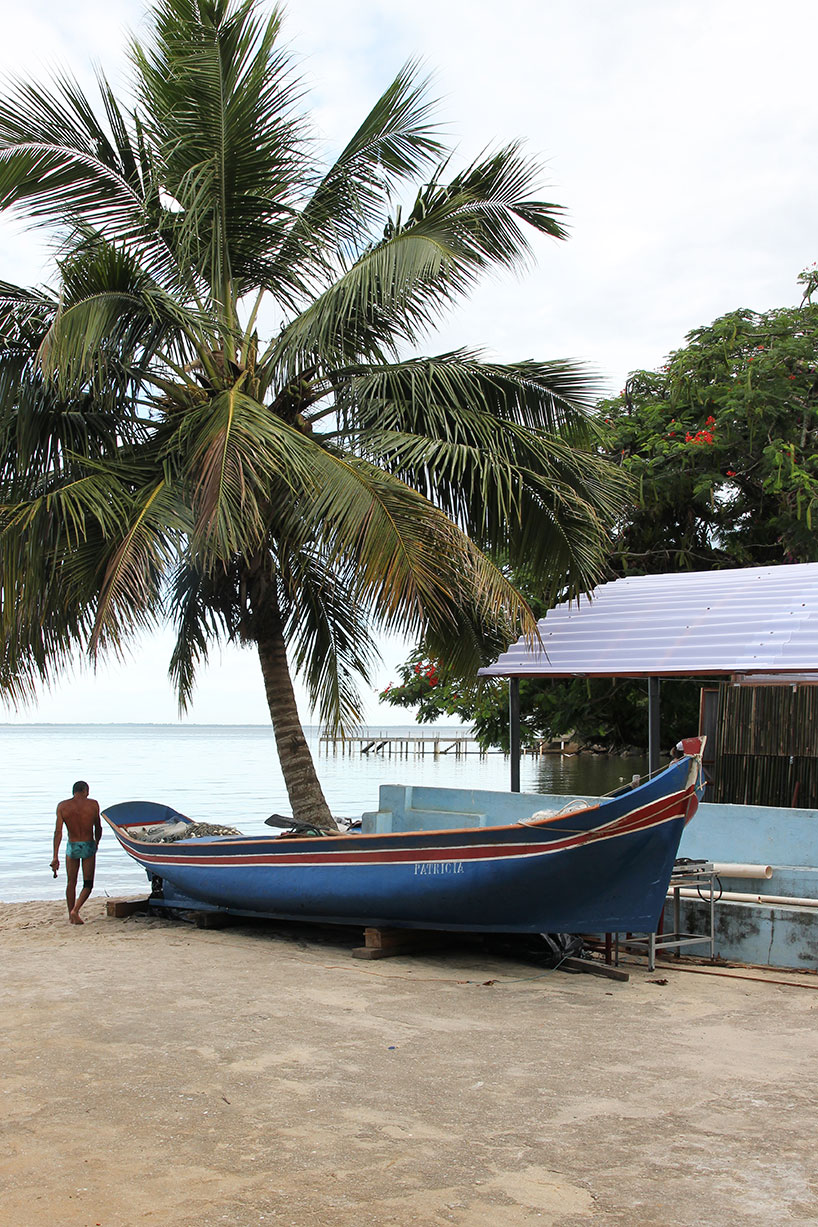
(786, 839)
(774, 936)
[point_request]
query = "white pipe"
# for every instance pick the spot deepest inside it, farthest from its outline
(735, 869)
(734, 896)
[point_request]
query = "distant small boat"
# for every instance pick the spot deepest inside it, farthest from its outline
(604, 867)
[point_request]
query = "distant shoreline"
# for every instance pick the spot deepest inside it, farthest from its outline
(364, 729)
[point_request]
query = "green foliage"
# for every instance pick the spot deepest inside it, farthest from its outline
(720, 448)
(721, 443)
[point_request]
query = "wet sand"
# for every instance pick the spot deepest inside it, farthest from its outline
(154, 1073)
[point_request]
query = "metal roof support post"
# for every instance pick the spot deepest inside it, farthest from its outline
(514, 731)
(653, 724)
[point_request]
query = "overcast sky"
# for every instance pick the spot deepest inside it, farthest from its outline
(679, 134)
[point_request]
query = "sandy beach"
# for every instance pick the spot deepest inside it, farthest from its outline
(158, 1073)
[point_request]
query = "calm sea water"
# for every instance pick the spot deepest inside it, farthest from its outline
(220, 773)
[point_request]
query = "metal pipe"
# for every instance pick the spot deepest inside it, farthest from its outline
(735, 896)
(654, 722)
(734, 869)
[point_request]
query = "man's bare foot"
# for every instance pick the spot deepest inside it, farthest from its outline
(75, 918)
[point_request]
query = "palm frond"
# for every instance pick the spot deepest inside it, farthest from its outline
(232, 452)
(413, 566)
(62, 168)
(381, 300)
(50, 543)
(395, 142)
(509, 453)
(200, 607)
(113, 322)
(399, 287)
(39, 628)
(532, 499)
(329, 634)
(447, 395)
(219, 103)
(138, 558)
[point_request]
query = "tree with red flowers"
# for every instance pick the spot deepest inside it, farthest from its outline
(722, 446)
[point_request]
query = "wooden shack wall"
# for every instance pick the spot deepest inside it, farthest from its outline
(767, 746)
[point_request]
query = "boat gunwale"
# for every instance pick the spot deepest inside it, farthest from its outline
(324, 841)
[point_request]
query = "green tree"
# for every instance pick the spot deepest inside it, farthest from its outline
(721, 444)
(720, 447)
(159, 459)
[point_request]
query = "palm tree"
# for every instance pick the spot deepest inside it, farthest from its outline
(160, 460)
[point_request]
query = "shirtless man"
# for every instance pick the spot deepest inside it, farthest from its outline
(80, 815)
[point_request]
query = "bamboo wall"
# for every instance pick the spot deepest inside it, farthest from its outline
(768, 746)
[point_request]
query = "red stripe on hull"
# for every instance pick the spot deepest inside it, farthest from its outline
(656, 813)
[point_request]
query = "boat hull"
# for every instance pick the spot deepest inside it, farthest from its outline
(604, 868)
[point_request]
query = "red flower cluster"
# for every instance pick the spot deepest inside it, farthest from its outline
(430, 673)
(731, 472)
(700, 437)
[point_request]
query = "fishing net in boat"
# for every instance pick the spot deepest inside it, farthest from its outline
(197, 829)
(169, 833)
(570, 807)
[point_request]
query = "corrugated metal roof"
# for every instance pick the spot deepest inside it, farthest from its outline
(752, 620)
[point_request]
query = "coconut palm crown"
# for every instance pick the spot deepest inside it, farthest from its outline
(302, 491)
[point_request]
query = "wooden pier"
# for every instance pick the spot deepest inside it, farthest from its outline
(401, 744)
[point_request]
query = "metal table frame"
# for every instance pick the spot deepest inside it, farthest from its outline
(686, 874)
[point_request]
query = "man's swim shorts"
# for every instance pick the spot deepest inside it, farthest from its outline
(80, 849)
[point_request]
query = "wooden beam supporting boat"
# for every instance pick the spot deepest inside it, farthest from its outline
(388, 943)
(120, 908)
(593, 968)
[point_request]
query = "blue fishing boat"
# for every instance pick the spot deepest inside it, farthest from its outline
(601, 867)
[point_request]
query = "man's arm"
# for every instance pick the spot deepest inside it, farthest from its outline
(97, 824)
(55, 864)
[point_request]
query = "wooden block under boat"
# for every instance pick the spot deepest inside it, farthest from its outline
(119, 908)
(386, 943)
(595, 969)
(385, 939)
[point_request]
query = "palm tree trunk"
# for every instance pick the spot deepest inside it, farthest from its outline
(303, 788)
